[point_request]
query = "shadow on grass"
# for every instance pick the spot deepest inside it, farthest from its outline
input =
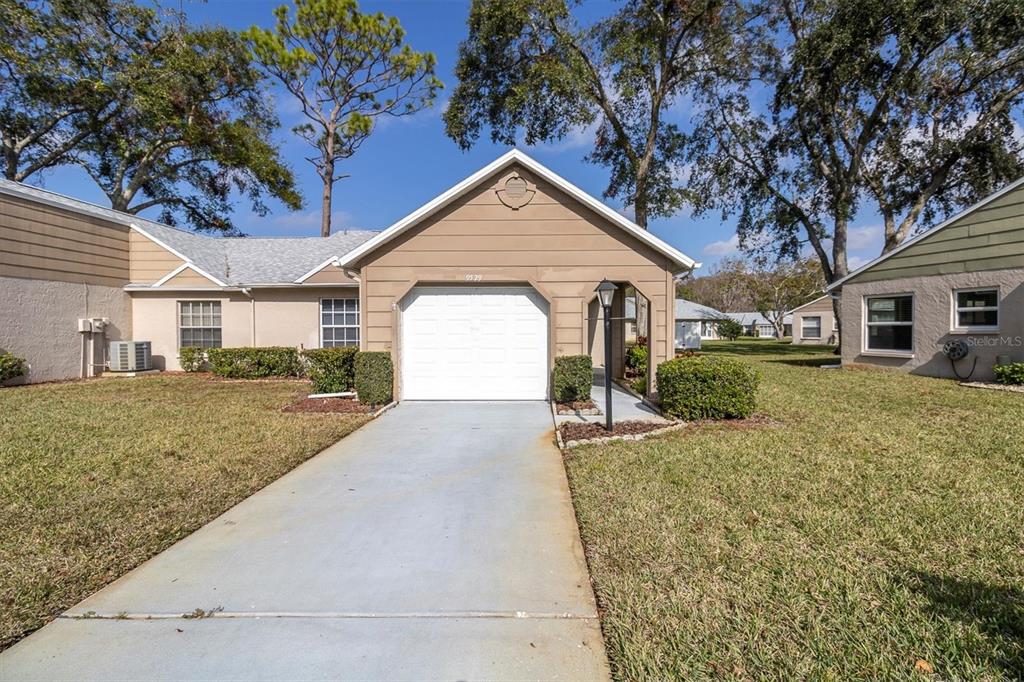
(808, 362)
(994, 610)
(765, 347)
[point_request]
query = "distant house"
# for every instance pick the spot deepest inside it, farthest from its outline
(962, 280)
(756, 324)
(815, 322)
(694, 323)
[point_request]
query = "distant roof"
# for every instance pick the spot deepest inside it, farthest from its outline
(756, 318)
(236, 261)
(688, 310)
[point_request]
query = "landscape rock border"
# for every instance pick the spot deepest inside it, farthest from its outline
(992, 386)
(568, 445)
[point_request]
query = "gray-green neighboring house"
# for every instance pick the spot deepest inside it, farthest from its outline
(962, 279)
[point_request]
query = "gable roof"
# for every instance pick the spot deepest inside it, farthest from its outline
(928, 233)
(510, 158)
(225, 261)
(801, 307)
(688, 310)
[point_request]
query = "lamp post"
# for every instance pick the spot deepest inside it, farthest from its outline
(605, 292)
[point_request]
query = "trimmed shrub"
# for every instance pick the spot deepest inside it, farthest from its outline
(707, 387)
(573, 376)
(254, 363)
(12, 366)
(332, 370)
(1012, 373)
(729, 330)
(375, 377)
(192, 359)
(636, 359)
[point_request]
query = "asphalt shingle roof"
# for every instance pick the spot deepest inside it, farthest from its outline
(236, 261)
(688, 310)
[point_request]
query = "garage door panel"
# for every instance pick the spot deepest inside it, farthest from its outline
(474, 343)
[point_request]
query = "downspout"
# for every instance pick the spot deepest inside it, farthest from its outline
(252, 315)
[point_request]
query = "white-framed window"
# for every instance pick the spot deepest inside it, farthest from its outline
(339, 322)
(976, 309)
(199, 324)
(810, 327)
(889, 323)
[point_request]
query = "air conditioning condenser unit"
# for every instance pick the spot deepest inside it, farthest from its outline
(130, 356)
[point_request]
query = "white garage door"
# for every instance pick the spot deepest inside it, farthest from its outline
(474, 343)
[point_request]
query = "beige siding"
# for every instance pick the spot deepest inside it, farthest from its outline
(553, 243)
(820, 308)
(990, 238)
(188, 278)
(272, 317)
(149, 261)
(330, 275)
(38, 241)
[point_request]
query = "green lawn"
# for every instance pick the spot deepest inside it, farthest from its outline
(872, 528)
(98, 476)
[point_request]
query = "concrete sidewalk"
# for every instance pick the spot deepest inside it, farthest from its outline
(438, 541)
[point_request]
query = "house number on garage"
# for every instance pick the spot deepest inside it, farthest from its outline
(474, 278)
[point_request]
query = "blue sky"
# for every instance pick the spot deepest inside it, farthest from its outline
(409, 161)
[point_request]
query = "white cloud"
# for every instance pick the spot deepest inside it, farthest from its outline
(854, 262)
(577, 138)
(866, 237)
(725, 247)
(628, 211)
(298, 223)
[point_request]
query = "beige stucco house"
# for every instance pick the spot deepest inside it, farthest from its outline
(815, 323)
(962, 279)
(473, 294)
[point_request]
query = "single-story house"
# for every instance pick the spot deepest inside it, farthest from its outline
(962, 280)
(815, 322)
(756, 324)
(694, 323)
(473, 294)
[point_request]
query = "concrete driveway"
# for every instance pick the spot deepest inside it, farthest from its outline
(437, 542)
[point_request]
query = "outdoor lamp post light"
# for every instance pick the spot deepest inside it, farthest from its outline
(605, 292)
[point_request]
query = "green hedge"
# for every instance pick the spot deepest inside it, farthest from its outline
(192, 359)
(730, 330)
(255, 363)
(636, 358)
(11, 366)
(375, 377)
(573, 377)
(707, 387)
(1010, 374)
(332, 370)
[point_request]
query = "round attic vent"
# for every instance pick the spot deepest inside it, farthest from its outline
(515, 187)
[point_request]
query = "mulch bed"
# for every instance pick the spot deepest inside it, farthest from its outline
(585, 430)
(578, 406)
(323, 405)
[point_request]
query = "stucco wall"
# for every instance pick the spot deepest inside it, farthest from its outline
(933, 322)
(39, 322)
(283, 317)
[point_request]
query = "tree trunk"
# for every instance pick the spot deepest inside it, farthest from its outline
(325, 219)
(640, 204)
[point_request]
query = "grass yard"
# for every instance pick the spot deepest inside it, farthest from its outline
(873, 528)
(96, 477)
